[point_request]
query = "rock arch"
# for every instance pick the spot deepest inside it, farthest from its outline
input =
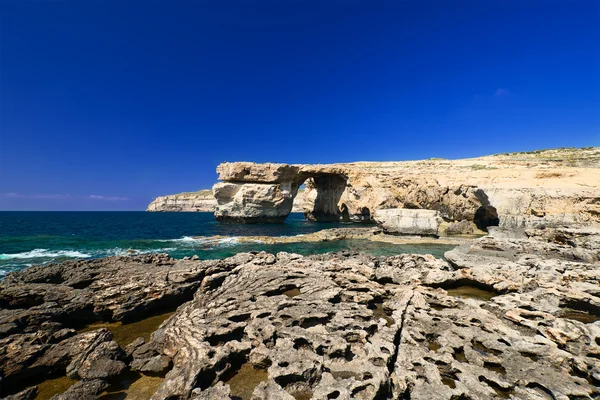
(323, 192)
(264, 193)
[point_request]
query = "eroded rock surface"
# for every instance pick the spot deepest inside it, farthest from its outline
(359, 327)
(41, 306)
(505, 316)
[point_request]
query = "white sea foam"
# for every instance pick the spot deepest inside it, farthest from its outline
(45, 253)
(185, 239)
(188, 241)
(118, 251)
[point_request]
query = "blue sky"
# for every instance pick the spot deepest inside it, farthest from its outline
(108, 104)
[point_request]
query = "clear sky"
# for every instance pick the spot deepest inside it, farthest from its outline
(108, 104)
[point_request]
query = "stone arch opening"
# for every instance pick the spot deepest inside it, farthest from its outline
(486, 216)
(322, 197)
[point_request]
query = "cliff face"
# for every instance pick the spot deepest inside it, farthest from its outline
(513, 190)
(200, 201)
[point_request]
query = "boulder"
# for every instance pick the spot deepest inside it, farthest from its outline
(408, 221)
(463, 227)
(83, 390)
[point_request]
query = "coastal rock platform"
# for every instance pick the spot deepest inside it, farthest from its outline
(500, 317)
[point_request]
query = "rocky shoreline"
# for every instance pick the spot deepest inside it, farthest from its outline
(374, 234)
(503, 316)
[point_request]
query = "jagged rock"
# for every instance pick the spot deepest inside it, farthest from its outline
(271, 391)
(83, 390)
(408, 222)
(262, 303)
(21, 355)
(27, 394)
(87, 356)
(101, 359)
(41, 301)
(463, 227)
(219, 391)
(118, 287)
(146, 358)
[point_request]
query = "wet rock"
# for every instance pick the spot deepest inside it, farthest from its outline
(270, 390)
(84, 390)
(219, 391)
(27, 394)
(146, 358)
(114, 288)
(40, 304)
(105, 360)
(133, 346)
(87, 356)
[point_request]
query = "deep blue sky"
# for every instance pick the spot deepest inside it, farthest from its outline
(126, 101)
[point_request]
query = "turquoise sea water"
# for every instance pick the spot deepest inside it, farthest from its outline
(31, 238)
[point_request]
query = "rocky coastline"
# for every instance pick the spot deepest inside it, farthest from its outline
(506, 315)
(374, 234)
(512, 311)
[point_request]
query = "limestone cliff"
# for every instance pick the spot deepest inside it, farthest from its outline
(200, 201)
(513, 190)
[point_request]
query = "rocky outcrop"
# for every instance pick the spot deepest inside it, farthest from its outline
(547, 188)
(503, 317)
(254, 202)
(201, 201)
(40, 307)
(357, 232)
(408, 221)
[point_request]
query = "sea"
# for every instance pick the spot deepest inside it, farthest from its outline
(40, 238)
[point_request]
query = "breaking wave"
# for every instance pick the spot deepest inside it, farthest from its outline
(45, 253)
